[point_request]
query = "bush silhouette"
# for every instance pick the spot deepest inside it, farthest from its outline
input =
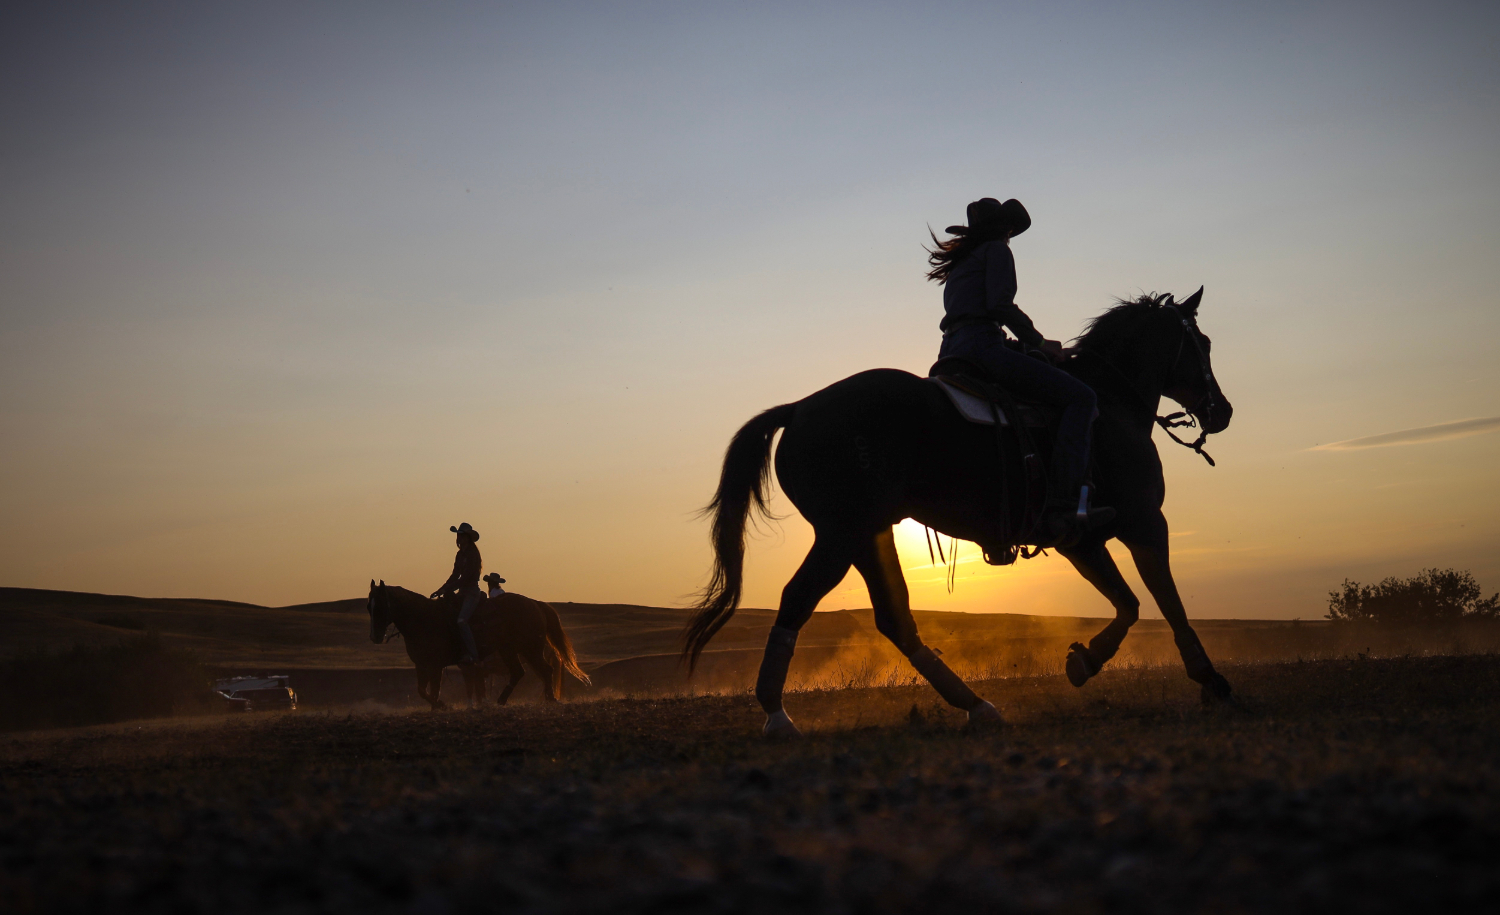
(1435, 596)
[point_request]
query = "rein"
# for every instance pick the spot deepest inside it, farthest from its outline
(392, 631)
(1173, 420)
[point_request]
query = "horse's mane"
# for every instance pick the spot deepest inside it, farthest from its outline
(1116, 323)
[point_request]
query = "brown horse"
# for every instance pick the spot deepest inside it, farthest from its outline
(507, 629)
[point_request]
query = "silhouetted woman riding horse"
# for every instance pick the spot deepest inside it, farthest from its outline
(464, 584)
(866, 452)
(978, 274)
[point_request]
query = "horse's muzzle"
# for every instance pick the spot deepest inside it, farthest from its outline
(1215, 415)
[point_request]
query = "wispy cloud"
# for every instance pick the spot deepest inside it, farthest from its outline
(1440, 433)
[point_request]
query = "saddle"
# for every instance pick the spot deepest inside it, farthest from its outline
(980, 399)
(1024, 432)
(488, 614)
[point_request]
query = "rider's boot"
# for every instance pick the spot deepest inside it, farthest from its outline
(1064, 522)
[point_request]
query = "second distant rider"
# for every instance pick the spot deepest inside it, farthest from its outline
(465, 583)
(495, 581)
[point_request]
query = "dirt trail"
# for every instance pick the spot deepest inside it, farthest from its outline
(1366, 785)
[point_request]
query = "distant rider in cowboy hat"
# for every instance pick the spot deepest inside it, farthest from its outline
(465, 582)
(495, 581)
(978, 274)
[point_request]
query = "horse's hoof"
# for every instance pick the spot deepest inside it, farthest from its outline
(779, 727)
(1078, 668)
(985, 715)
(1215, 690)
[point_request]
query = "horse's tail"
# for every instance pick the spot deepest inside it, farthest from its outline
(743, 483)
(562, 645)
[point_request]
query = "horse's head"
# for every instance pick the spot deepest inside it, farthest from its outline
(1190, 378)
(379, 607)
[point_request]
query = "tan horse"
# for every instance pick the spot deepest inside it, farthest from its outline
(507, 629)
(511, 627)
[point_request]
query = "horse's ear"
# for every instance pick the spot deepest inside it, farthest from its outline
(1190, 304)
(372, 584)
(382, 582)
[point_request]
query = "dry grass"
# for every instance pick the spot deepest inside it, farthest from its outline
(138, 677)
(1359, 784)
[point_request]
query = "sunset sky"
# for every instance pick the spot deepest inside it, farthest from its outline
(286, 289)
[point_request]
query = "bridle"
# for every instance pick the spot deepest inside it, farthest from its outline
(1187, 417)
(1176, 420)
(386, 635)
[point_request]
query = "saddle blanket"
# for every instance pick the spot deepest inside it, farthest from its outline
(971, 407)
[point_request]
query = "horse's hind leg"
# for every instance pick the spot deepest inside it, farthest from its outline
(1093, 562)
(513, 665)
(825, 566)
(881, 567)
(544, 668)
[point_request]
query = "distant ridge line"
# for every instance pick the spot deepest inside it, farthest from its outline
(8, 595)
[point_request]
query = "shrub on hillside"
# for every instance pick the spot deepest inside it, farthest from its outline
(1435, 596)
(137, 678)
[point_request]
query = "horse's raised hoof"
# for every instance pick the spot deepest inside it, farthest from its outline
(1215, 690)
(1078, 666)
(985, 715)
(779, 727)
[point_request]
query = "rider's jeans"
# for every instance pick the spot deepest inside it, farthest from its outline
(1034, 379)
(472, 599)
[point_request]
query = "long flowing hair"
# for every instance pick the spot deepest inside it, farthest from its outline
(945, 254)
(471, 543)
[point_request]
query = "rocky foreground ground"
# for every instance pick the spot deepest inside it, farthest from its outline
(1358, 785)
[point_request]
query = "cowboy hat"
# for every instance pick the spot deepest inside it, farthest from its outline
(987, 213)
(465, 528)
(494, 578)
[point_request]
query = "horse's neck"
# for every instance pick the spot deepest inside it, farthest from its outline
(1132, 376)
(409, 609)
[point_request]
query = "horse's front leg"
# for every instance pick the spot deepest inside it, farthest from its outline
(1093, 562)
(1148, 547)
(430, 686)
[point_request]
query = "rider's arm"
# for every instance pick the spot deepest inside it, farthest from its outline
(1000, 294)
(454, 579)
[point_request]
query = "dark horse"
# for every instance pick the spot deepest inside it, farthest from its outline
(507, 629)
(884, 445)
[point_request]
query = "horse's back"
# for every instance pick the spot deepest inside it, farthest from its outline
(866, 449)
(518, 616)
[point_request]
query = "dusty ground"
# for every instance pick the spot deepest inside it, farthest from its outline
(1337, 785)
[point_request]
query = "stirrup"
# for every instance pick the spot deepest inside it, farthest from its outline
(1089, 518)
(1064, 526)
(1057, 528)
